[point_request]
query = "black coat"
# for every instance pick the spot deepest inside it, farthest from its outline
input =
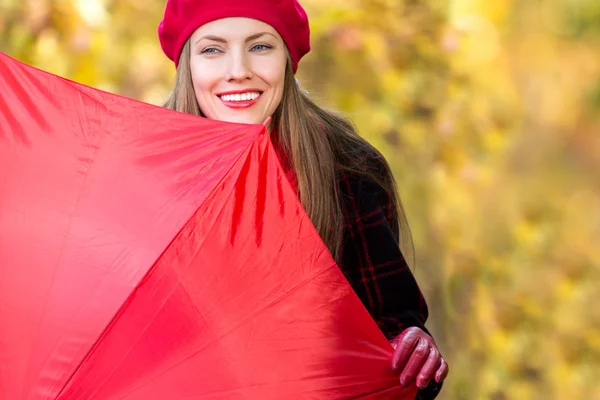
(373, 263)
(371, 258)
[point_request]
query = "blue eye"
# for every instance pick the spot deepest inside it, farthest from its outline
(261, 47)
(209, 50)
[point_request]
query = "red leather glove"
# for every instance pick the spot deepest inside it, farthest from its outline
(416, 356)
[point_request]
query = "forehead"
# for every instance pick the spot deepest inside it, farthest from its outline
(234, 28)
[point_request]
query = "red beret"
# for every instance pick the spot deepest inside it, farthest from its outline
(183, 17)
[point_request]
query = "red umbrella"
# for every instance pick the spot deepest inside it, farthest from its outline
(149, 254)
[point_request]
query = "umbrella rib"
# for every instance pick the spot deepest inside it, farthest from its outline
(231, 192)
(349, 385)
(241, 322)
(379, 392)
(129, 298)
(57, 263)
(274, 301)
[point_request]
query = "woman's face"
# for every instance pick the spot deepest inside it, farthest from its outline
(238, 68)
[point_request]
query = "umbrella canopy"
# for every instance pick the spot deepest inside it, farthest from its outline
(149, 254)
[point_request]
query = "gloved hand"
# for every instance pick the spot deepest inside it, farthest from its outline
(416, 356)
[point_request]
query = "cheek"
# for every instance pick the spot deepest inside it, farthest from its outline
(202, 80)
(279, 80)
(200, 85)
(279, 72)
(271, 68)
(273, 72)
(203, 85)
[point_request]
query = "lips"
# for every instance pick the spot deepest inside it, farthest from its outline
(240, 99)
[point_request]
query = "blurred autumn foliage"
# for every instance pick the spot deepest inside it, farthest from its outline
(489, 112)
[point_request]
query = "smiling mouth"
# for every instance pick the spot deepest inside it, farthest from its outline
(240, 100)
(238, 97)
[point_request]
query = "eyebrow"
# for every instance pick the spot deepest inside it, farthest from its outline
(221, 40)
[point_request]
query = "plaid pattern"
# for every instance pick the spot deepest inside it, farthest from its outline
(373, 263)
(371, 258)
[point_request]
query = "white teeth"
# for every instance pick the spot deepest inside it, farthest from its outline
(240, 97)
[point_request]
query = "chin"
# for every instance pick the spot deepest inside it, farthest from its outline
(242, 119)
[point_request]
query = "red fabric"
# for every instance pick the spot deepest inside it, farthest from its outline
(371, 258)
(183, 17)
(149, 254)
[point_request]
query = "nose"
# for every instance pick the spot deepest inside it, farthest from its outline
(239, 68)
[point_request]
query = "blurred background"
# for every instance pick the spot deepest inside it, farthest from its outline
(488, 111)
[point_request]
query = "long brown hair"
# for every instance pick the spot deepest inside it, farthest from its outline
(319, 144)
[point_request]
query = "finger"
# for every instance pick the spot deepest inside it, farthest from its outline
(416, 361)
(442, 371)
(429, 368)
(403, 349)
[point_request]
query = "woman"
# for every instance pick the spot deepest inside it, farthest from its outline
(236, 62)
